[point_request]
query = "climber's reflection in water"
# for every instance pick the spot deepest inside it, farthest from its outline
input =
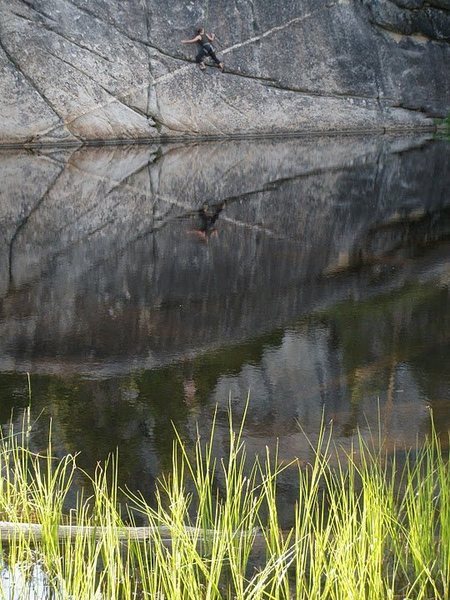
(208, 216)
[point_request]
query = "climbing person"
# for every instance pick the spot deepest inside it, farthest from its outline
(204, 41)
(207, 215)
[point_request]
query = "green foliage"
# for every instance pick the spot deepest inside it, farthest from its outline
(366, 528)
(443, 127)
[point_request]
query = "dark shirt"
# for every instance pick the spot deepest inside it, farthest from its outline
(208, 218)
(203, 40)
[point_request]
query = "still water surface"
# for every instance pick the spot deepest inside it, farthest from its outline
(142, 286)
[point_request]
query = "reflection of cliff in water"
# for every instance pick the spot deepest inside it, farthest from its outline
(103, 273)
(354, 363)
(322, 290)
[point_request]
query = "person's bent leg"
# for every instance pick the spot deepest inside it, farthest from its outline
(213, 55)
(200, 58)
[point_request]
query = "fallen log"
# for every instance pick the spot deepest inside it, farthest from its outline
(65, 532)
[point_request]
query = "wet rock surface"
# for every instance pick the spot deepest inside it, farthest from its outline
(74, 70)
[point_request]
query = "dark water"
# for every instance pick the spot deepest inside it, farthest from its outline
(316, 280)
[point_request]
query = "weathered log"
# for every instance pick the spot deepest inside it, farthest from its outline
(163, 533)
(35, 531)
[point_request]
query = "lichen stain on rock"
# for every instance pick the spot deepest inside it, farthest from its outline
(74, 70)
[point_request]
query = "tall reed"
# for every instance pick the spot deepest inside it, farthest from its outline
(363, 527)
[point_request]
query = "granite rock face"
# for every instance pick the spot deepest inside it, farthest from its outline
(108, 69)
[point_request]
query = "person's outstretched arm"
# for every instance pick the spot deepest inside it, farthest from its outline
(193, 41)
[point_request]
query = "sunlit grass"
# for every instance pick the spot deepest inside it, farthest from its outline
(362, 527)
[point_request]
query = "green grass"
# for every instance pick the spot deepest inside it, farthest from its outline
(444, 127)
(364, 529)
